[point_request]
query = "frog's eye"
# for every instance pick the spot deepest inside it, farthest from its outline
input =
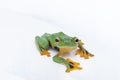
(76, 40)
(57, 40)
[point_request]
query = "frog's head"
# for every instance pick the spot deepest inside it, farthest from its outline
(66, 43)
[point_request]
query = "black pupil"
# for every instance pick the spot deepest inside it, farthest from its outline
(76, 40)
(56, 40)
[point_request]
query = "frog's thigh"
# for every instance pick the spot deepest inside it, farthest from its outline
(58, 59)
(41, 42)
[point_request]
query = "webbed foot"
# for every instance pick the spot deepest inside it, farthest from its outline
(73, 65)
(83, 53)
(45, 52)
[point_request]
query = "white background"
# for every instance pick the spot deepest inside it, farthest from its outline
(96, 22)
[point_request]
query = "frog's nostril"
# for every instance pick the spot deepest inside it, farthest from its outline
(56, 48)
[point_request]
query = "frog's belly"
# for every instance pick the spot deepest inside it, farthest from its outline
(66, 49)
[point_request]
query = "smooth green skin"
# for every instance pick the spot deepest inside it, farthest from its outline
(48, 40)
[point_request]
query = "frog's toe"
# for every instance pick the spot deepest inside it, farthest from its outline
(87, 55)
(73, 65)
(91, 55)
(45, 52)
(84, 54)
(80, 52)
(72, 62)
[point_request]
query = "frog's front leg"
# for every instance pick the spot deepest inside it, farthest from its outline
(42, 45)
(83, 52)
(70, 65)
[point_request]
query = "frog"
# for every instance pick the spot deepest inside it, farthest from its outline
(62, 43)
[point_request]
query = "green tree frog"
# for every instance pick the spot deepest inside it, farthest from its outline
(63, 44)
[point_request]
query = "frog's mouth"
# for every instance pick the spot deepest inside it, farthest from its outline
(65, 49)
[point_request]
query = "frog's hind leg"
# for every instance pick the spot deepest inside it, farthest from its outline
(42, 45)
(70, 65)
(73, 65)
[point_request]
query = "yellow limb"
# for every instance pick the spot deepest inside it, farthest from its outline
(45, 52)
(73, 65)
(84, 54)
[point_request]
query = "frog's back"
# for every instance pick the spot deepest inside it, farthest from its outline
(53, 34)
(58, 34)
(46, 35)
